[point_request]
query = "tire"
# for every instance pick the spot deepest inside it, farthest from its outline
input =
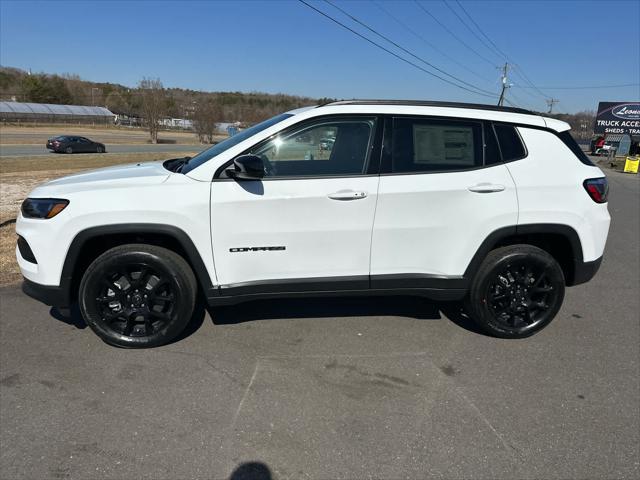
(99, 149)
(68, 150)
(138, 296)
(516, 292)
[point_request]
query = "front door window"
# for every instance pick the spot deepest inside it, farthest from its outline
(328, 148)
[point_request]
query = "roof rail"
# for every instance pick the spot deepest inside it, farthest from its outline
(429, 103)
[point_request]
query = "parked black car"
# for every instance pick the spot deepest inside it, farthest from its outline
(72, 144)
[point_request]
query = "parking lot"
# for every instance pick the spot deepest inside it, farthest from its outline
(335, 388)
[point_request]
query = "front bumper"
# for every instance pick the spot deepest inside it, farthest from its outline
(53, 296)
(39, 264)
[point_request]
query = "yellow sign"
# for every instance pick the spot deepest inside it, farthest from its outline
(631, 165)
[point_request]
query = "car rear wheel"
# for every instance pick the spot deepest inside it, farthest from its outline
(68, 150)
(99, 149)
(138, 296)
(516, 292)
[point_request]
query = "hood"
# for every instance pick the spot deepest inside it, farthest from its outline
(119, 176)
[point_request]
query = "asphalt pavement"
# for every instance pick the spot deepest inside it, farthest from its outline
(335, 388)
(30, 150)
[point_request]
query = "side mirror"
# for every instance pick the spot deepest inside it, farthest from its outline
(246, 167)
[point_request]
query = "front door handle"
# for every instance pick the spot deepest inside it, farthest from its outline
(486, 188)
(347, 195)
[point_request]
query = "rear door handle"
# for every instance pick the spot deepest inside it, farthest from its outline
(486, 188)
(347, 195)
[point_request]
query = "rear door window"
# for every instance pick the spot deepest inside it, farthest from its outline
(429, 145)
(491, 149)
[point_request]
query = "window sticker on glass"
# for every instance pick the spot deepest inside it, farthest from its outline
(442, 144)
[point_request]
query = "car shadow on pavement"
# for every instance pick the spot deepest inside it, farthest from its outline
(312, 308)
(454, 311)
(251, 471)
(332, 307)
(70, 316)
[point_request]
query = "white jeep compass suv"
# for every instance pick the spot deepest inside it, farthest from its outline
(495, 206)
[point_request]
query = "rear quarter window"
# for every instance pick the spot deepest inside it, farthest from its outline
(570, 142)
(510, 142)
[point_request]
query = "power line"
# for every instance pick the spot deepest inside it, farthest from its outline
(589, 87)
(520, 102)
(496, 50)
(454, 35)
(408, 28)
(500, 52)
(493, 48)
(529, 93)
(517, 70)
(469, 28)
(389, 51)
(506, 86)
(400, 47)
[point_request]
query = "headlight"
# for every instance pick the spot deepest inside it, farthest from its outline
(43, 207)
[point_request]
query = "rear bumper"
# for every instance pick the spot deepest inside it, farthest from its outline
(49, 295)
(585, 271)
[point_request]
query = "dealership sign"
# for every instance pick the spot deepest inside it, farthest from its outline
(627, 112)
(618, 117)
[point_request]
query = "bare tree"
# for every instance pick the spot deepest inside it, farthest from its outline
(236, 106)
(582, 123)
(117, 103)
(205, 118)
(154, 105)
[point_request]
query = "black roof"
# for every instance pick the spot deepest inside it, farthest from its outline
(429, 103)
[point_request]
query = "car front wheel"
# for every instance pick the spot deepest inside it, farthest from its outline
(99, 149)
(516, 292)
(138, 296)
(68, 150)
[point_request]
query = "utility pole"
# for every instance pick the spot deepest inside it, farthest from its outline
(551, 102)
(92, 101)
(505, 84)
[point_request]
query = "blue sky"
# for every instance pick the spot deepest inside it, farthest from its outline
(283, 46)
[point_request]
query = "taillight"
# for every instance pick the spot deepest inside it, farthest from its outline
(597, 188)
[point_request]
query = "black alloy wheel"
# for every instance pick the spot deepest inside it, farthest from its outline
(520, 296)
(138, 295)
(136, 300)
(68, 150)
(517, 291)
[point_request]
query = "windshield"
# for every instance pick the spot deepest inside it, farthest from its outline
(218, 148)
